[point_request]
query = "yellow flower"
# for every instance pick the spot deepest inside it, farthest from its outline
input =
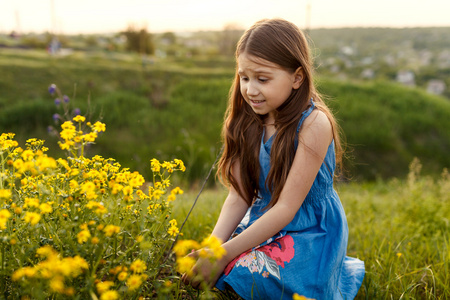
(32, 218)
(185, 264)
(79, 119)
(83, 236)
(95, 240)
(90, 137)
(104, 286)
(5, 194)
(399, 254)
(111, 229)
(122, 276)
(298, 297)
(89, 188)
(155, 165)
(99, 126)
(180, 164)
(45, 208)
(46, 251)
(182, 247)
(138, 266)
(4, 216)
(215, 245)
(109, 295)
(31, 202)
(57, 284)
(134, 282)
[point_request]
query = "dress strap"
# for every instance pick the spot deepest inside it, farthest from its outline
(305, 114)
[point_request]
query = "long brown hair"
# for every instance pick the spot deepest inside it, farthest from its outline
(280, 42)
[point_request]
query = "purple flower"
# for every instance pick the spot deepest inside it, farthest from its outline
(56, 117)
(66, 99)
(57, 101)
(52, 88)
(76, 111)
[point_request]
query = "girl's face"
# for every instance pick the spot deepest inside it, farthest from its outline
(265, 85)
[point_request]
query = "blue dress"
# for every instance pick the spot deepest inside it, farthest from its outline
(308, 256)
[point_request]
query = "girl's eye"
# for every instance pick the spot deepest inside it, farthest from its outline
(243, 78)
(262, 79)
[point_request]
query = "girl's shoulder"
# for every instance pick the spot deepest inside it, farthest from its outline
(317, 125)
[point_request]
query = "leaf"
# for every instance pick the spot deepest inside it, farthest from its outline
(272, 266)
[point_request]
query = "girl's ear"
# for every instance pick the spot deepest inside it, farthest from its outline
(299, 75)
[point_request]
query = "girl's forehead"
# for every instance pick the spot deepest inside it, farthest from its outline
(251, 62)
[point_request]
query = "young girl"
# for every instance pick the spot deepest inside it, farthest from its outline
(283, 224)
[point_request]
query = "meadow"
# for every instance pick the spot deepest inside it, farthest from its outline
(399, 228)
(396, 192)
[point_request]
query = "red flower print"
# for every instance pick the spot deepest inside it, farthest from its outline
(281, 250)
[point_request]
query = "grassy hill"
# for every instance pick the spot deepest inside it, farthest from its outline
(166, 109)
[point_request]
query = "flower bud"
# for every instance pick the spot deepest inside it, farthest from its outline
(52, 88)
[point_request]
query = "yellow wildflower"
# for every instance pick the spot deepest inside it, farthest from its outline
(79, 119)
(89, 188)
(32, 218)
(104, 286)
(138, 266)
(122, 276)
(83, 236)
(57, 284)
(155, 165)
(4, 216)
(134, 282)
(185, 264)
(110, 295)
(31, 202)
(90, 137)
(45, 208)
(99, 126)
(46, 251)
(5, 194)
(173, 230)
(111, 229)
(298, 297)
(182, 247)
(180, 164)
(215, 245)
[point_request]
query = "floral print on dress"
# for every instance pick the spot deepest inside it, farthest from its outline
(269, 257)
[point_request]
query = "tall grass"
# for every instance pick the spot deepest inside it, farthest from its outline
(399, 228)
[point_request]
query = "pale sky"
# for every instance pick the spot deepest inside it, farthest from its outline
(102, 16)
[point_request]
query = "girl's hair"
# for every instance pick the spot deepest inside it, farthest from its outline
(280, 42)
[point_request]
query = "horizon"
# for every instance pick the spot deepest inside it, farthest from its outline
(101, 17)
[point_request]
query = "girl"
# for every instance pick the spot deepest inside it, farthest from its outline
(283, 223)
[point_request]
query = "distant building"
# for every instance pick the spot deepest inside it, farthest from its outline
(406, 77)
(436, 86)
(368, 74)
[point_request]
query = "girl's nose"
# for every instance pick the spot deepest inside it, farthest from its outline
(252, 91)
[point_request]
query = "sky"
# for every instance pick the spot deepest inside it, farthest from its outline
(109, 16)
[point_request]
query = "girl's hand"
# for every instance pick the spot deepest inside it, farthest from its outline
(205, 272)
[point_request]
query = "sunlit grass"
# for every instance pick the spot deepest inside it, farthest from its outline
(399, 228)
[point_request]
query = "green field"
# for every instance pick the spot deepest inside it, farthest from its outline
(399, 228)
(398, 217)
(174, 108)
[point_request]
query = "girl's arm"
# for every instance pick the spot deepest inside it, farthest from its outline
(314, 140)
(233, 210)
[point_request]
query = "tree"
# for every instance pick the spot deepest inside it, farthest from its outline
(139, 40)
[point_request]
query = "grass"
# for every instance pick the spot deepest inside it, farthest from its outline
(399, 228)
(174, 108)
